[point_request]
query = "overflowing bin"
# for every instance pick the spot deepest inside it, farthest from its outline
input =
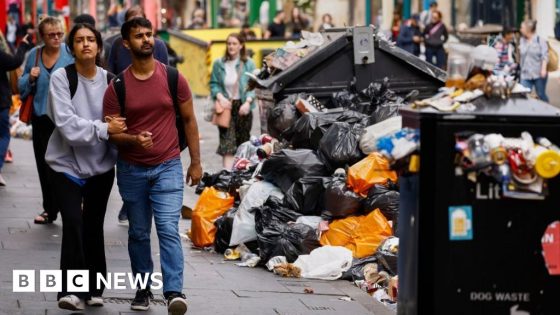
(349, 58)
(469, 245)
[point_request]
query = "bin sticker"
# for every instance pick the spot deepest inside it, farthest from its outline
(460, 223)
(551, 248)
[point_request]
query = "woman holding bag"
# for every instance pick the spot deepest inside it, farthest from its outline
(48, 58)
(228, 85)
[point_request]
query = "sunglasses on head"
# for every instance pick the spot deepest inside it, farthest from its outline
(55, 35)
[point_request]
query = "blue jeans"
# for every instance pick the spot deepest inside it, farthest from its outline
(540, 87)
(438, 53)
(4, 133)
(156, 190)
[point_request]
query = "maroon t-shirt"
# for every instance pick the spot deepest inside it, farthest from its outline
(149, 107)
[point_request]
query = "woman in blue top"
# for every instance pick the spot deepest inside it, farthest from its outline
(35, 80)
(534, 59)
(228, 85)
(82, 161)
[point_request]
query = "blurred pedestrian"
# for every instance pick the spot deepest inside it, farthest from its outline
(410, 37)
(120, 59)
(228, 86)
(247, 32)
(149, 169)
(435, 35)
(12, 30)
(326, 22)
(276, 29)
(83, 162)
(426, 15)
(396, 26)
(35, 81)
(198, 20)
(84, 18)
(534, 59)
(8, 62)
(299, 23)
(504, 45)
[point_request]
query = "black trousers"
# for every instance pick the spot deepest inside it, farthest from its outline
(83, 212)
(43, 127)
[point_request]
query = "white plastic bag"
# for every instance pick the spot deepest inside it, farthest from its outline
(368, 140)
(244, 221)
(325, 263)
(311, 220)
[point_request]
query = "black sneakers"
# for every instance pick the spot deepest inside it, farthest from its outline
(176, 303)
(141, 301)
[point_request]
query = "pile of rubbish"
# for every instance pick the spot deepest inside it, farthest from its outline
(18, 129)
(318, 196)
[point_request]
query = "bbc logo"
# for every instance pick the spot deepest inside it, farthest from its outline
(50, 281)
(78, 280)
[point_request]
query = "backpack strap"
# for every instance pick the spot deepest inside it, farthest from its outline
(72, 76)
(110, 77)
(173, 81)
(119, 86)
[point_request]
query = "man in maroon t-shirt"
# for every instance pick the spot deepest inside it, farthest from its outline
(149, 170)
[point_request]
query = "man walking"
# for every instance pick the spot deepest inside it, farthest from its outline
(149, 171)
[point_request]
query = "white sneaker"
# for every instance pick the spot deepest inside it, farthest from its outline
(2, 181)
(71, 302)
(95, 301)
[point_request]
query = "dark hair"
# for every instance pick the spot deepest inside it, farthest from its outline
(508, 30)
(433, 4)
(135, 22)
(243, 52)
(85, 18)
(135, 10)
(98, 40)
(47, 20)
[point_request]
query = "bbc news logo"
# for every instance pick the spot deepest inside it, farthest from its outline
(79, 280)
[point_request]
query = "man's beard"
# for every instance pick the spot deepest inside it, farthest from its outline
(142, 54)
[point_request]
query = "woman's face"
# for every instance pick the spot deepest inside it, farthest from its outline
(53, 35)
(327, 19)
(85, 45)
(435, 18)
(233, 47)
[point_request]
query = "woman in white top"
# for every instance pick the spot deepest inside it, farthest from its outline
(228, 86)
(82, 160)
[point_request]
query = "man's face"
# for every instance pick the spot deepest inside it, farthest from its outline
(140, 42)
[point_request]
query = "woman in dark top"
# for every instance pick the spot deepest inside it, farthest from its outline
(276, 29)
(299, 23)
(8, 63)
(435, 35)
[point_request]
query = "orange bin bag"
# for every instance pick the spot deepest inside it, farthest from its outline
(374, 169)
(210, 206)
(362, 235)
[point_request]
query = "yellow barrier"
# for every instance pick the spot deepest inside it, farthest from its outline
(201, 47)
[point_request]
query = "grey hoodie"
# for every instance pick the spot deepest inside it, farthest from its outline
(78, 145)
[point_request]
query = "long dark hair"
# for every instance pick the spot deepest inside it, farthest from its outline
(242, 53)
(72, 35)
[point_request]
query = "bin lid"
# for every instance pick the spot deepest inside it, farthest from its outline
(516, 108)
(336, 40)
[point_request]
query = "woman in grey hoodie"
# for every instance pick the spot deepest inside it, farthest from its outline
(82, 160)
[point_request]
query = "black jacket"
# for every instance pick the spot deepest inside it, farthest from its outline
(9, 63)
(439, 36)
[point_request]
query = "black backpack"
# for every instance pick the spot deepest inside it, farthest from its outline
(172, 81)
(72, 76)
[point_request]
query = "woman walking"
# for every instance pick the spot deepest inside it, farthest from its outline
(228, 86)
(8, 62)
(41, 63)
(82, 161)
(534, 58)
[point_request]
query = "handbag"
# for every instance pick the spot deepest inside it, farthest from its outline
(552, 64)
(222, 116)
(26, 109)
